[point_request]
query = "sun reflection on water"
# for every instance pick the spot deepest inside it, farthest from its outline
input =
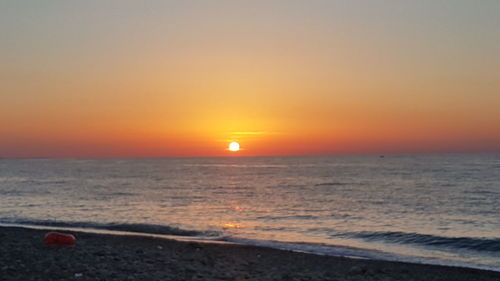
(232, 225)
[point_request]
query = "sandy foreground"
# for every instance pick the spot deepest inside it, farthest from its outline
(23, 256)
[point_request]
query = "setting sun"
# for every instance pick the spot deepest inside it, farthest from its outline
(234, 146)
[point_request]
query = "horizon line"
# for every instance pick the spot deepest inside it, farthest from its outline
(256, 156)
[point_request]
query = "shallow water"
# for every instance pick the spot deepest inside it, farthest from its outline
(435, 208)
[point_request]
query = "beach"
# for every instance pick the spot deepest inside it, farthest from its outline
(23, 256)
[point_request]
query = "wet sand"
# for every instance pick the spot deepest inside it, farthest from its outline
(23, 256)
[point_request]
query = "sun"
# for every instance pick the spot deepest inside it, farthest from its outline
(234, 146)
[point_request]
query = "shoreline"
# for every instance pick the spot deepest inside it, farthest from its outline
(128, 257)
(341, 251)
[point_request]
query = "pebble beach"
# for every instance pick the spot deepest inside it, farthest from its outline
(23, 256)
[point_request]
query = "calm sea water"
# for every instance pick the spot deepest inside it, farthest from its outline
(442, 209)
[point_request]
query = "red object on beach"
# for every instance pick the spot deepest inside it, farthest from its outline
(59, 239)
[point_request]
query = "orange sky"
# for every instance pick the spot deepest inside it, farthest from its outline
(129, 79)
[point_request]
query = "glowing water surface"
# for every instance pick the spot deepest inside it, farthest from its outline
(430, 208)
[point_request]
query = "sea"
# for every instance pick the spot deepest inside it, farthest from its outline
(431, 209)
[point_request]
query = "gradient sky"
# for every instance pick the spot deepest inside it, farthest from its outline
(184, 78)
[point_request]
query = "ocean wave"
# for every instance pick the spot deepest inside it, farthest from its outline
(465, 243)
(231, 165)
(351, 252)
(331, 184)
(480, 191)
(289, 217)
(124, 227)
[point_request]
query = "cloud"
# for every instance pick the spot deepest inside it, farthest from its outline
(254, 133)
